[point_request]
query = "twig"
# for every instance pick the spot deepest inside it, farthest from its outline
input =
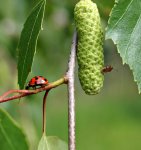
(44, 111)
(13, 91)
(54, 84)
(71, 105)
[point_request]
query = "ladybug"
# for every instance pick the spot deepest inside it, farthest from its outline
(37, 81)
(107, 69)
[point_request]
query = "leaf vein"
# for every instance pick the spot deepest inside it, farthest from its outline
(122, 15)
(126, 50)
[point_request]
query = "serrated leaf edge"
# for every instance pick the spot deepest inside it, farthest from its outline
(106, 38)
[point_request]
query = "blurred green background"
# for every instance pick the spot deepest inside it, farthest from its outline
(110, 120)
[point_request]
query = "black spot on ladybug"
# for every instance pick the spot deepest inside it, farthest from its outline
(36, 82)
(36, 78)
(45, 79)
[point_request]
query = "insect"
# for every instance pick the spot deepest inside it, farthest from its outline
(37, 81)
(107, 69)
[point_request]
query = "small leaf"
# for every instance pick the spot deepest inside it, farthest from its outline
(124, 29)
(28, 41)
(11, 136)
(52, 143)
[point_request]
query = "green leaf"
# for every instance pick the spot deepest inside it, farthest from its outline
(28, 41)
(52, 143)
(11, 136)
(124, 29)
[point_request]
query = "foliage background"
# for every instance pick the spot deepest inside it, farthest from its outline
(107, 121)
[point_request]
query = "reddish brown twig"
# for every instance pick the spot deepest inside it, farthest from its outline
(13, 91)
(44, 111)
(23, 93)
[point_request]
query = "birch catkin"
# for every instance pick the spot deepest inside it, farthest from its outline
(90, 46)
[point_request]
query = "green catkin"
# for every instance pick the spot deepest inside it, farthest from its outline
(90, 46)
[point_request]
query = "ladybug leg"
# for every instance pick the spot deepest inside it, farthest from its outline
(43, 86)
(34, 87)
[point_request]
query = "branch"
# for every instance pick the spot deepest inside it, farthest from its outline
(23, 93)
(71, 105)
(44, 111)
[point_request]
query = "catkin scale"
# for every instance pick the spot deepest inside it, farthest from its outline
(90, 46)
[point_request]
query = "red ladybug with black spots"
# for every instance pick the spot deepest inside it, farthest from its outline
(37, 81)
